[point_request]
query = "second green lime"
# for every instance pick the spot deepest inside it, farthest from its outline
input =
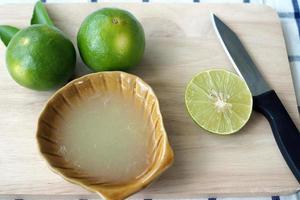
(40, 57)
(111, 39)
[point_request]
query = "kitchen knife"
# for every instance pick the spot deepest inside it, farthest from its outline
(265, 100)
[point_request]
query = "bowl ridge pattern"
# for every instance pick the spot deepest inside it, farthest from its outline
(76, 91)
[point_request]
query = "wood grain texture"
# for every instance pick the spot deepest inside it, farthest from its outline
(180, 42)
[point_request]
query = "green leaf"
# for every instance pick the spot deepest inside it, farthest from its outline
(40, 15)
(7, 32)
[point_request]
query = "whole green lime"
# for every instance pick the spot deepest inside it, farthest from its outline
(111, 39)
(40, 57)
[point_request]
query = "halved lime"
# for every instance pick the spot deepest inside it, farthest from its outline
(219, 101)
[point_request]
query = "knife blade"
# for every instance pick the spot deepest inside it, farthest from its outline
(265, 99)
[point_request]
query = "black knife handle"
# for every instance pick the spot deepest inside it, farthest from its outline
(285, 131)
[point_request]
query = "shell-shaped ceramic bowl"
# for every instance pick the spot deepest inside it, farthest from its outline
(74, 93)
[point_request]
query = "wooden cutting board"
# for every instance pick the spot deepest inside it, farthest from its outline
(180, 42)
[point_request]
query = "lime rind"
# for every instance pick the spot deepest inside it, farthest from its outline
(219, 101)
